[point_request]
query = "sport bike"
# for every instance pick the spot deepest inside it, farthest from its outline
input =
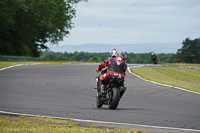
(111, 93)
(154, 61)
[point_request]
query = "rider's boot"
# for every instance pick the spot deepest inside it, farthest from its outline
(122, 90)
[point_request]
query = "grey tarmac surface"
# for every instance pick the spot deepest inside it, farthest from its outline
(66, 91)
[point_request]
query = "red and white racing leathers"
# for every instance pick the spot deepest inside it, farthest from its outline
(116, 66)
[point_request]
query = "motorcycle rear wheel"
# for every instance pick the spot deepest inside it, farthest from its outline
(114, 99)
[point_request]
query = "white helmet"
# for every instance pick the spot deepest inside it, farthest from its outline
(113, 53)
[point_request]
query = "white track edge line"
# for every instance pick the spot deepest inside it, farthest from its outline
(160, 83)
(102, 122)
(10, 67)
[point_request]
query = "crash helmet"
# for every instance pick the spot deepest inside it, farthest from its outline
(113, 53)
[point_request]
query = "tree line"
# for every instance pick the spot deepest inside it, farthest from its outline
(189, 53)
(138, 58)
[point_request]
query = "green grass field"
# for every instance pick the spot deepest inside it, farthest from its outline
(12, 63)
(48, 125)
(180, 64)
(186, 78)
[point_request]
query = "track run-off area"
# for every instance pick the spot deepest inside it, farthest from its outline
(66, 91)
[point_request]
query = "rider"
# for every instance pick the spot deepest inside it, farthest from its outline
(153, 57)
(116, 66)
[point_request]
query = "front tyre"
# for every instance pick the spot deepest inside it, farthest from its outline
(114, 98)
(98, 103)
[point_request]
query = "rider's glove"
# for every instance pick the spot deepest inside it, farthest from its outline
(97, 70)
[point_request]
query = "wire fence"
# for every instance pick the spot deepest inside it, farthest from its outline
(16, 58)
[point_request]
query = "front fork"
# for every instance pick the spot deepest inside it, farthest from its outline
(97, 80)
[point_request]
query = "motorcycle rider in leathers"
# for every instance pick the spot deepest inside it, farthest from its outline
(154, 58)
(116, 65)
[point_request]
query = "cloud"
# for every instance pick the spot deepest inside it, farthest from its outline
(134, 21)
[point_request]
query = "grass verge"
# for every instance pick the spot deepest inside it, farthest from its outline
(12, 63)
(178, 77)
(180, 64)
(26, 124)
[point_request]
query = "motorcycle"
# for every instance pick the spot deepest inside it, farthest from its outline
(111, 94)
(154, 61)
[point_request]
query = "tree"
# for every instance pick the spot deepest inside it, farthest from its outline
(190, 51)
(26, 25)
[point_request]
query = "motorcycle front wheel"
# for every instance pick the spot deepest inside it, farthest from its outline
(114, 98)
(99, 104)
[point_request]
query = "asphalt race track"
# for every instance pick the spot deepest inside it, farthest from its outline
(66, 90)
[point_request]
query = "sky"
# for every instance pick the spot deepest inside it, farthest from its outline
(135, 22)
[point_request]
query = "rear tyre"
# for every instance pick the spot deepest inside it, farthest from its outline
(114, 99)
(155, 61)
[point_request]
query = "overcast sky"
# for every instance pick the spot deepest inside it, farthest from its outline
(134, 22)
